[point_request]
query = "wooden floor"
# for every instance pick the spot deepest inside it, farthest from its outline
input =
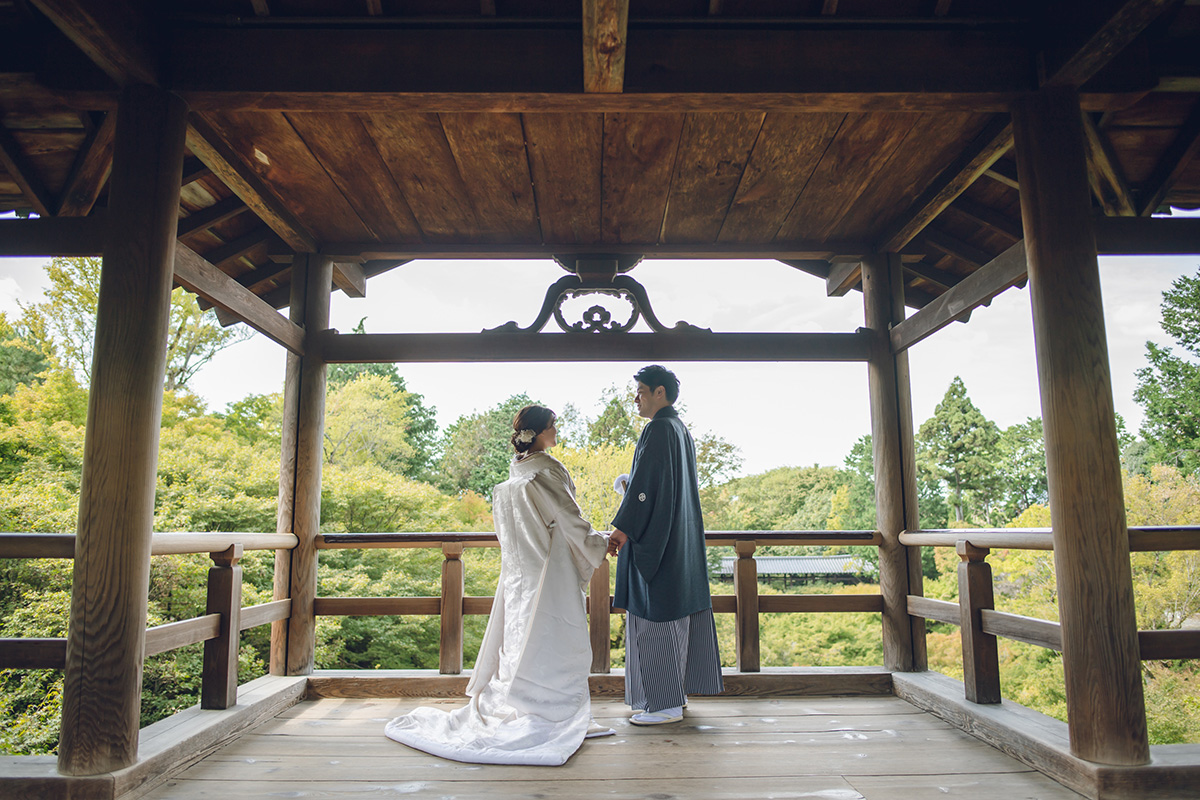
(836, 748)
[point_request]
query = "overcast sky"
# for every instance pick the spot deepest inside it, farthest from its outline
(778, 414)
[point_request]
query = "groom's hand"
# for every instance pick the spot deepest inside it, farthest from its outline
(616, 541)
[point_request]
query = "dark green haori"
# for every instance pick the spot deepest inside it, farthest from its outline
(662, 572)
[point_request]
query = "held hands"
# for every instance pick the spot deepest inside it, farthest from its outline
(616, 541)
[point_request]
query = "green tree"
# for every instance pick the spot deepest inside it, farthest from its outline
(22, 358)
(1169, 388)
(366, 422)
(958, 448)
(617, 425)
(477, 448)
(1022, 468)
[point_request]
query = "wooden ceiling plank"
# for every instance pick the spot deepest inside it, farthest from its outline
(993, 142)
(1147, 236)
(236, 248)
(1105, 175)
(1094, 31)
(988, 217)
(196, 274)
(342, 145)
(206, 218)
(348, 276)
(605, 23)
(565, 163)
(953, 246)
(114, 34)
(1006, 270)
(789, 148)
(90, 172)
(639, 158)
(940, 277)
(53, 236)
(1172, 164)
(24, 174)
(415, 150)
(491, 149)
(713, 152)
(210, 147)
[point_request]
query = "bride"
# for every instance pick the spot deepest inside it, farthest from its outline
(529, 699)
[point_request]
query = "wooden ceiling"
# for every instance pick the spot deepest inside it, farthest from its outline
(810, 131)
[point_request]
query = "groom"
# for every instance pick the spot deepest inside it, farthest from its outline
(662, 572)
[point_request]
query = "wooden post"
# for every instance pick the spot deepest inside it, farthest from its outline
(745, 586)
(895, 478)
(1101, 660)
(219, 679)
(981, 662)
(286, 504)
(102, 681)
(600, 619)
(310, 433)
(453, 587)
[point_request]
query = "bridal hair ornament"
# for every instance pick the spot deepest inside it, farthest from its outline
(526, 436)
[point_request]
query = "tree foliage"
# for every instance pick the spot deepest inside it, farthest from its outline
(957, 446)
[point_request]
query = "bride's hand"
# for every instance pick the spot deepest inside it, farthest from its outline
(616, 541)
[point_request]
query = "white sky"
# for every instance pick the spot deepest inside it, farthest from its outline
(778, 414)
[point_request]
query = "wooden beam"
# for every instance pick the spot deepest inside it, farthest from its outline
(813, 266)
(236, 248)
(114, 34)
(215, 214)
(1005, 173)
(53, 236)
(348, 276)
(1174, 161)
(194, 169)
(994, 141)
(1006, 270)
(211, 148)
(940, 277)
(91, 170)
(197, 274)
(988, 217)
(1105, 175)
(953, 246)
(783, 251)
(23, 173)
(1147, 236)
(604, 31)
(843, 276)
(1087, 34)
(525, 347)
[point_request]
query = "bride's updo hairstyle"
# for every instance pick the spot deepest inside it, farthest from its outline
(530, 420)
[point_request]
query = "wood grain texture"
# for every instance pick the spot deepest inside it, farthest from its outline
(600, 619)
(115, 35)
(490, 148)
(745, 585)
(53, 236)
(450, 649)
(33, 653)
(928, 608)
(604, 28)
(565, 165)
(22, 171)
(102, 679)
(639, 156)
(219, 674)
(1106, 711)
(90, 172)
(184, 632)
(981, 664)
(1105, 175)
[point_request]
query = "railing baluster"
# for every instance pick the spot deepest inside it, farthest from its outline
(219, 680)
(981, 664)
(599, 619)
(745, 586)
(453, 588)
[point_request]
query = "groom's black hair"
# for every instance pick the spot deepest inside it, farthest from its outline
(654, 376)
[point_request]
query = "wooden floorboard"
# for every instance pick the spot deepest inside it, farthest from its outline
(837, 748)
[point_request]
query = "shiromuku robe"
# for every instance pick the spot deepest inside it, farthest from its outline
(529, 699)
(662, 572)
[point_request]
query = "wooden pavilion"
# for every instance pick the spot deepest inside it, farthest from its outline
(929, 153)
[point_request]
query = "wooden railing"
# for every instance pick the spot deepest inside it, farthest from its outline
(452, 605)
(981, 623)
(219, 629)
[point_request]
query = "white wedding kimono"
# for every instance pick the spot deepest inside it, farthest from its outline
(529, 698)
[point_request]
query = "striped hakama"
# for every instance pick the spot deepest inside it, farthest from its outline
(666, 661)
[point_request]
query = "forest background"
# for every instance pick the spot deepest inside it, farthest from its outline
(389, 467)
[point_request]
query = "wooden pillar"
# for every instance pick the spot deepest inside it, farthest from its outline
(1105, 706)
(600, 619)
(102, 681)
(450, 650)
(219, 679)
(745, 587)
(310, 433)
(981, 661)
(286, 504)
(895, 470)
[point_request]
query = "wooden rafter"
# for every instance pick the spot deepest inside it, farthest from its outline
(988, 217)
(351, 251)
(236, 248)
(211, 148)
(19, 168)
(1147, 236)
(1004, 172)
(940, 277)
(1174, 161)
(993, 142)
(53, 236)
(604, 28)
(953, 246)
(1105, 175)
(91, 170)
(215, 214)
(112, 33)
(278, 298)
(193, 170)
(348, 276)
(843, 276)
(1092, 33)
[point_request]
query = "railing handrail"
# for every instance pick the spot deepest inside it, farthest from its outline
(62, 545)
(331, 541)
(1142, 538)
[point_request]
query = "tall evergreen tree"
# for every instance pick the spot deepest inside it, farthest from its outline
(478, 448)
(958, 447)
(1022, 469)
